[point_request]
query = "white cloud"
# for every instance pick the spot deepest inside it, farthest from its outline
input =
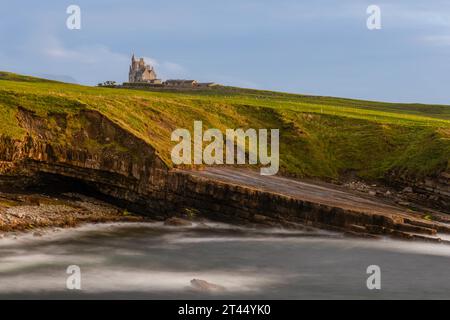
(429, 22)
(430, 18)
(88, 54)
(151, 61)
(439, 40)
(166, 69)
(88, 63)
(413, 15)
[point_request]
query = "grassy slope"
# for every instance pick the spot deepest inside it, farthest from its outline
(319, 136)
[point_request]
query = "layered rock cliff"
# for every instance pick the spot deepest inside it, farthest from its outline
(88, 151)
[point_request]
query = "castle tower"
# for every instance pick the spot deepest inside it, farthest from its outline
(131, 71)
(141, 72)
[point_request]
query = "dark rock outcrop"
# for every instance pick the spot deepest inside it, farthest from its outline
(432, 191)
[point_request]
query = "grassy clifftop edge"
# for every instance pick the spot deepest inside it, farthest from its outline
(321, 137)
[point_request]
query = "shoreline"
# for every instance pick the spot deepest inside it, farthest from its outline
(36, 213)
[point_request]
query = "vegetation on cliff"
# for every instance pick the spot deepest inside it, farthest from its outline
(320, 137)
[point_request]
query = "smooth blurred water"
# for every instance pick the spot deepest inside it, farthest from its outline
(152, 261)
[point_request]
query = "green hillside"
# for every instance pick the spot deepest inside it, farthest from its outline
(319, 136)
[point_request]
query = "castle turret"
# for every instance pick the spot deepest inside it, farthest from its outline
(132, 72)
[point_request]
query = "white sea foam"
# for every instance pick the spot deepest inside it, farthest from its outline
(150, 257)
(98, 280)
(248, 234)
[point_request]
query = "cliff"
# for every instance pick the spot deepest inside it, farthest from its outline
(52, 138)
(100, 156)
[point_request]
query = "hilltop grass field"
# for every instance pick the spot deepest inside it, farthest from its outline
(320, 137)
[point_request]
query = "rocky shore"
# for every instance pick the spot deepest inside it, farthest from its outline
(245, 196)
(37, 212)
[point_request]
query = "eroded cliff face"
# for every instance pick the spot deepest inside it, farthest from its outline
(89, 150)
(433, 192)
(86, 147)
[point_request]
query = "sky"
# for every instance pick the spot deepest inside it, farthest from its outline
(320, 47)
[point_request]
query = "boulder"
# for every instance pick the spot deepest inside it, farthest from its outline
(408, 190)
(202, 285)
(177, 222)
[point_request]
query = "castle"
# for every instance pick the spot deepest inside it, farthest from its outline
(144, 75)
(141, 72)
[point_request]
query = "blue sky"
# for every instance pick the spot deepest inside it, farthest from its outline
(320, 47)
